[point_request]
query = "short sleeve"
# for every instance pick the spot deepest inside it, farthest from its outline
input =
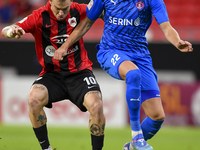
(94, 9)
(159, 11)
(27, 24)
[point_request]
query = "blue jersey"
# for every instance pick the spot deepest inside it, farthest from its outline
(126, 22)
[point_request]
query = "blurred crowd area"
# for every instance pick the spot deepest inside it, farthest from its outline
(15, 10)
(184, 16)
(181, 13)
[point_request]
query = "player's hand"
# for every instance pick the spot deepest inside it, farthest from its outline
(60, 53)
(184, 46)
(13, 31)
(16, 32)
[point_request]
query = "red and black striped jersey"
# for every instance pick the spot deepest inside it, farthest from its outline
(50, 34)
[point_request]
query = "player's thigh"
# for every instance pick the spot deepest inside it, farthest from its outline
(110, 60)
(153, 108)
(55, 87)
(148, 74)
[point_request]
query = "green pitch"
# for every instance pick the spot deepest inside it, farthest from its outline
(63, 138)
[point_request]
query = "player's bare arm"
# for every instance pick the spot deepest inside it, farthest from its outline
(102, 15)
(173, 37)
(13, 31)
(78, 32)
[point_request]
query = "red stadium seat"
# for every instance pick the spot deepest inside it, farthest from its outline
(183, 13)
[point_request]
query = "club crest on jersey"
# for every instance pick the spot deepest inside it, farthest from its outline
(89, 6)
(140, 5)
(50, 50)
(72, 22)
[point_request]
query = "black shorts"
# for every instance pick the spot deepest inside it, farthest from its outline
(71, 87)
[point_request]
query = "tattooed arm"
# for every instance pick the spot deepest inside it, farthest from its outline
(12, 31)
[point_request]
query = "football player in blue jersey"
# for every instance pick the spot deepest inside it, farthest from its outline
(124, 55)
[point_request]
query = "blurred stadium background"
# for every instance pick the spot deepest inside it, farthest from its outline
(178, 77)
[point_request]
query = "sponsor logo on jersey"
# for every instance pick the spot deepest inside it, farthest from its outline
(60, 39)
(89, 6)
(72, 22)
(137, 21)
(140, 5)
(50, 25)
(120, 21)
(49, 50)
(69, 51)
(124, 21)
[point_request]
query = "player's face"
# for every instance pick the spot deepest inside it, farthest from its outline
(60, 8)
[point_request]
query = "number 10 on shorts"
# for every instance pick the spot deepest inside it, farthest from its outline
(90, 80)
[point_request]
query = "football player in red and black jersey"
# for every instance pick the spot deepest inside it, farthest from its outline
(72, 78)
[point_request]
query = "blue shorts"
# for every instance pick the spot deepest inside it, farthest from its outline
(110, 61)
